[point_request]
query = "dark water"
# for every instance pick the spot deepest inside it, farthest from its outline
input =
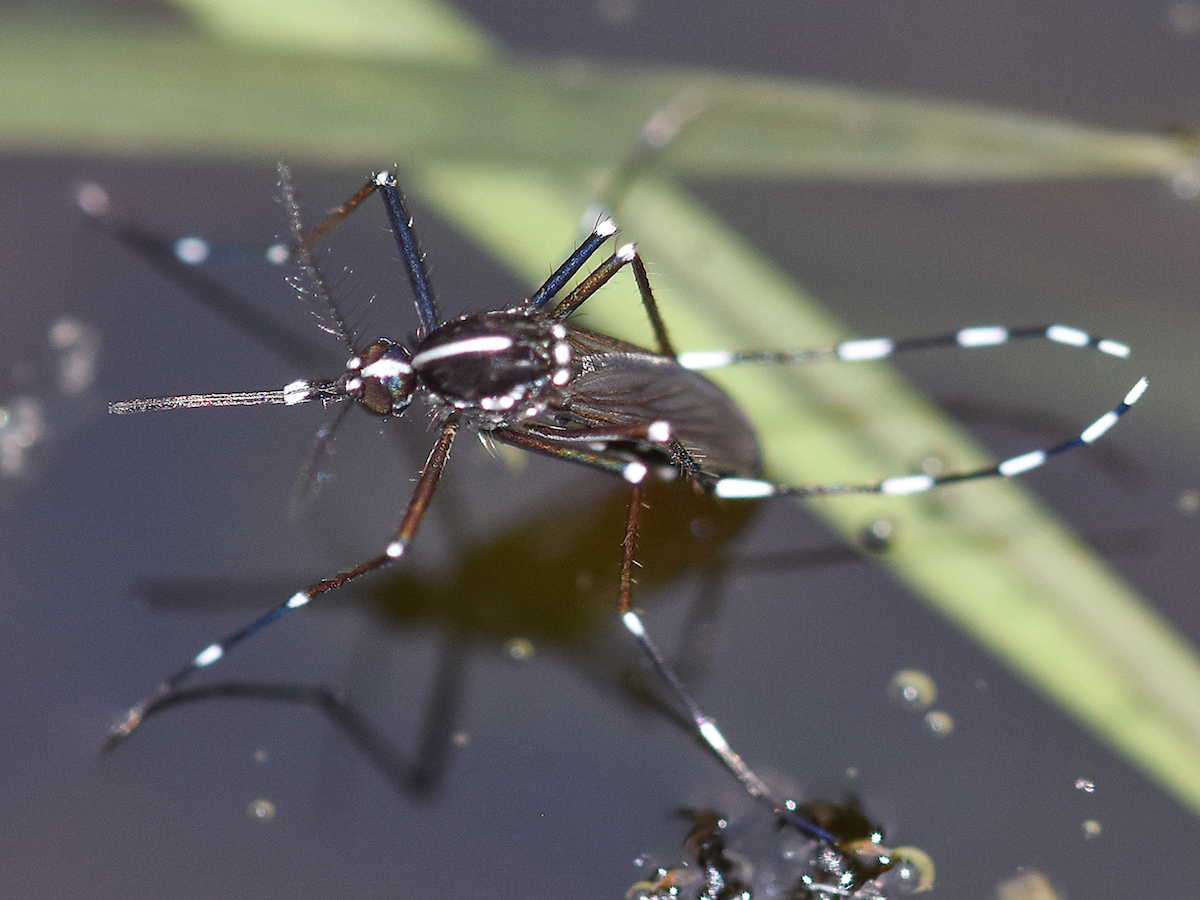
(129, 543)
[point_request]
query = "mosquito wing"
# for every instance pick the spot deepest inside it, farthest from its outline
(620, 385)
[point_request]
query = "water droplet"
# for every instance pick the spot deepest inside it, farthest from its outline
(261, 810)
(519, 649)
(78, 346)
(192, 250)
(912, 689)
(92, 199)
(939, 723)
(913, 873)
(1188, 502)
(21, 428)
(1082, 784)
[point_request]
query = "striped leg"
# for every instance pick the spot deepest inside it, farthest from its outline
(705, 727)
(884, 348)
(748, 488)
(399, 544)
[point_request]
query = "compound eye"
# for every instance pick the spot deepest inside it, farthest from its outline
(388, 380)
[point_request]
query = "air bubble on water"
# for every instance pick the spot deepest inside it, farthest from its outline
(519, 649)
(912, 690)
(1091, 829)
(78, 346)
(192, 250)
(913, 872)
(92, 199)
(21, 428)
(261, 810)
(939, 723)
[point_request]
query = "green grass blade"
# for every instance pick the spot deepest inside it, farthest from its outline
(391, 29)
(79, 87)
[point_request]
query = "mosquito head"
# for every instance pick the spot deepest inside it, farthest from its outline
(382, 378)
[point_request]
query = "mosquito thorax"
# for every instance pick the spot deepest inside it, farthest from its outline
(500, 364)
(381, 378)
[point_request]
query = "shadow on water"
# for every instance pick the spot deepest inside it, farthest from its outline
(547, 585)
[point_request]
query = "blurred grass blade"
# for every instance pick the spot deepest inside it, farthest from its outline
(397, 29)
(73, 86)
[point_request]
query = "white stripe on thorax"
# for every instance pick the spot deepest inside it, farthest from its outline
(490, 343)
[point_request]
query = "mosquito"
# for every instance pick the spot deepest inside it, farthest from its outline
(528, 376)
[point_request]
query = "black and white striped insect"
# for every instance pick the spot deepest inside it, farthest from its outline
(527, 375)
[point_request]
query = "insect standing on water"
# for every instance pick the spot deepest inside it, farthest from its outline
(527, 375)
